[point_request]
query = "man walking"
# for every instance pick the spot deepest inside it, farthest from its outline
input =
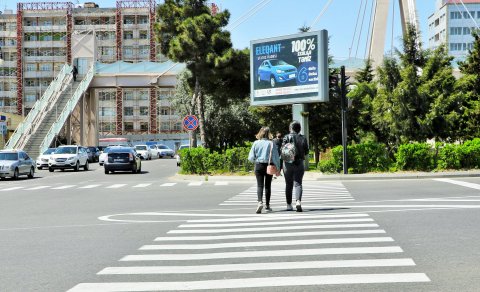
(294, 169)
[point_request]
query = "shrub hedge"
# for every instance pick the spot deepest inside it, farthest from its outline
(362, 158)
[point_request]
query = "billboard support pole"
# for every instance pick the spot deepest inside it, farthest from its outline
(343, 105)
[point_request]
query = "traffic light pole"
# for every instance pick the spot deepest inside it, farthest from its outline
(343, 105)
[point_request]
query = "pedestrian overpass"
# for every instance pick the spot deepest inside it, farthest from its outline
(71, 107)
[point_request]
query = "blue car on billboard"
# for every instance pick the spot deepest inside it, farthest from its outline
(276, 71)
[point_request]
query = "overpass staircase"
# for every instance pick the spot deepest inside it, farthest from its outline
(49, 114)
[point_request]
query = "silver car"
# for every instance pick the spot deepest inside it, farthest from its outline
(14, 163)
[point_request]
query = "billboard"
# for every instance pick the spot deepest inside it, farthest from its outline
(289, 69)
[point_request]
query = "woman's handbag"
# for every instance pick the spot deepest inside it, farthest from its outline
(271, 169)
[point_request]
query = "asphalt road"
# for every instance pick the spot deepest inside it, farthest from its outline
(87, 231)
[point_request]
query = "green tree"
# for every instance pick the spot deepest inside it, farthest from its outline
(437, 89)
(360, 113)
(468, 91)
(189, 33)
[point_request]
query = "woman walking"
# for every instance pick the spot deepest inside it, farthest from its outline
(263, 153)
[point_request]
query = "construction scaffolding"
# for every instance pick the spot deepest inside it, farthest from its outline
(40, 71)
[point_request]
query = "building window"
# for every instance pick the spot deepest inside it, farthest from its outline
(46, 67)
(128, 51)
(143, 20)
(106, 95)
(31, 67)
(29, 82)
(143, 95)
(128, 35)
(144, 50)
(128, 95)
(177, 126)
(107, 127)
(165, 126)
(144, 110)
(128, 111)
(107, 112)
(107, 51)
(128, 126)
(143, 34)
(144, 126)
(30, 97)
(455, 30)
(466, 30)
(164, 111)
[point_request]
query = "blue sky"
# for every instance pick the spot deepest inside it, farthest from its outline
(282, 17)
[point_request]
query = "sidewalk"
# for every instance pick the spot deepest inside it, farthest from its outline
(317, 176)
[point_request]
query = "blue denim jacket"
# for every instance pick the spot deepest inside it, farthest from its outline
(261, 151)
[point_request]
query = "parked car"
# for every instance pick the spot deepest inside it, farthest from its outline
(14, 163)
(276, 71)
(42, 159)
(177, 156)
(93, 154)
(154, 150)
(164, 151)
(68, 156)
(144, 151)
(122, 159)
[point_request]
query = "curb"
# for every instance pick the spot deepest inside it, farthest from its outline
(316, 176)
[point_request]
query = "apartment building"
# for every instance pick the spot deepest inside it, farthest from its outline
(36, 41)
(452, 24)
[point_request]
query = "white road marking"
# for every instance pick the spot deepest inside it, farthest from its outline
(256, 267)
(289, 222)
(63, 187)
(262, 253)
(253, 229)
(265, 243)
(460, 183)
(268, 235)
(37, 188)
(279, 217)
(168, 184)
(195, 183)
(11, 189)
(221, 183)
(89, 186)
(141, 185)
(115, 186)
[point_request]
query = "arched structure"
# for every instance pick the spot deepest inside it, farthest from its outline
(408, 14)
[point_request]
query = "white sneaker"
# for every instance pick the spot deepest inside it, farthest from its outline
(298, 205)
(289, 207)
(259, 207)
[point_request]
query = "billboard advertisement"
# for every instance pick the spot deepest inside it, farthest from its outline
(289, 69)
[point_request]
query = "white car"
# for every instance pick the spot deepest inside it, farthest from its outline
(103, 155)
(155, 151)
(42, 160)
(68, 156)
(144, 151)
(164, 151)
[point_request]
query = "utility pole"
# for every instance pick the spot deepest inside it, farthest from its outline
(344, 105)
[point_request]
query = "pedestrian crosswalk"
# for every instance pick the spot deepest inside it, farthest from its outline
(281, 250)
(111, 186)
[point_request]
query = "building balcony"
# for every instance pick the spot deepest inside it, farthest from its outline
(9, 94)
(8, 109)
(44, 58)
(98, 27)
(8, 34)
(39, 74)
(135, 42)
(44, 44)
(58, 28)
(143, 26)
(12, 64)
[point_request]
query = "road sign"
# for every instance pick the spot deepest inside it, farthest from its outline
(190, 123)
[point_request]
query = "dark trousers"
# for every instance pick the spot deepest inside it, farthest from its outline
(264, 180)
(293, 173)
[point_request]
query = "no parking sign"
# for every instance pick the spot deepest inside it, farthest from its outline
(190, 123)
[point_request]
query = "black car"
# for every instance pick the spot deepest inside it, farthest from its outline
(122, 159)
(93, 153)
